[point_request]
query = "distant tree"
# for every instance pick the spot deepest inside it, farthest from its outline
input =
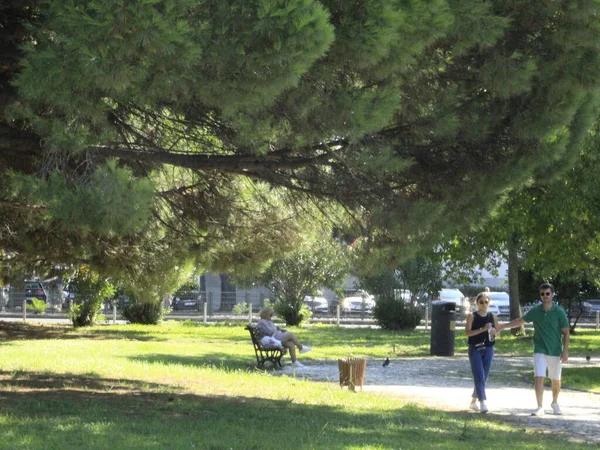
(547, 230)
(315, 264)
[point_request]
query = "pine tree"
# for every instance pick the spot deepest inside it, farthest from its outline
(415, 116)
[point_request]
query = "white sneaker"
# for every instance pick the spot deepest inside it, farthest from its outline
(297, 364)
(305, 349)
(474, 406)
(556, 409)
(484, 407)
(538, 412)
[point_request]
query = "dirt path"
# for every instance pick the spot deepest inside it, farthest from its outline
(446, 383)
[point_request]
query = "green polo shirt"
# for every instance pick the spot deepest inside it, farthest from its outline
(547, 325)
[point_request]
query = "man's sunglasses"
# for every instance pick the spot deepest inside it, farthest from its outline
(545, 294)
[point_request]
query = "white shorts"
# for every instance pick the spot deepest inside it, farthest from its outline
(542, 362)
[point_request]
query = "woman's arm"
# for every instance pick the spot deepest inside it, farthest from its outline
(496, 325)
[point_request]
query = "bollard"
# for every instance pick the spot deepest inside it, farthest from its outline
(205, 307)
(24, 310)
(426, 316)
(337, 315)
(114, 304)
(249, 312)
(597, 320)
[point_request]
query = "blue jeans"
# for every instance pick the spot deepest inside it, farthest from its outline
(481, 362)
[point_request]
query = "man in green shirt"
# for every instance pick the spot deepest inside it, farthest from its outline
(550, 344)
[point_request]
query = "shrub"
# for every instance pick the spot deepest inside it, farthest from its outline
(240, 308)
(144, 313)
(291, 315)
(37, 306)
(393, 314)
(91, 290)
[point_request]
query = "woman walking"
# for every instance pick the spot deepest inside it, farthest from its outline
(481, 329)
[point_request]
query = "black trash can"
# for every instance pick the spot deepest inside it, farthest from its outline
(443, 324)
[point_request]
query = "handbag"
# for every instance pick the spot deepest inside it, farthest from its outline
(270, 342)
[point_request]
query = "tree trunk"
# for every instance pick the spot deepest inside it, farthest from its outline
(513, 283)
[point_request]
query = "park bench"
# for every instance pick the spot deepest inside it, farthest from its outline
(263, 353)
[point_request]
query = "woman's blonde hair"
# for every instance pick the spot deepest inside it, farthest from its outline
(482, 295)
(266, 313)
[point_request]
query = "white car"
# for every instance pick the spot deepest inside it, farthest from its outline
(502, 301)
(317, 304)
(456, 296)
(359, 302)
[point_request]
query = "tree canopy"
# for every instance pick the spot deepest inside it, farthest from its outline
(216, 121)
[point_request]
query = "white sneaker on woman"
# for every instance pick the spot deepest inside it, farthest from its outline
(297, 364)
(484, 407)
(474, 406)
(538, 412)
(305, 349)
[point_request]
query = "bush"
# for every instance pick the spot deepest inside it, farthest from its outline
(391, 314)
(37, 306)
(144, 313)
(291, 315)
(240, 309)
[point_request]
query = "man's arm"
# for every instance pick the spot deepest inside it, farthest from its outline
(564, 356)
(512, 324)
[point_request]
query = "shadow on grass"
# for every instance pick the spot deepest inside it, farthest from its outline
(10, 331)
(217, 360)
(38, 411)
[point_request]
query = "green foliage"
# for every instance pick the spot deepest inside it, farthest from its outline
(422, 275)
(240, 309)
(144, 313)
(112, 202)
(314, 264)
(91, 290)
(415, 116)
(291, 313)
(37, 306)
(392, 314)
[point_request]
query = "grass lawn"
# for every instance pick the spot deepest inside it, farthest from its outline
(190, 386)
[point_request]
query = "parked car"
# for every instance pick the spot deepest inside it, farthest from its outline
(317, 304)
(591, 307)
(186, 300)
(491, 308)
(360, 301)
(27, 291)
(502, 301)
(456, 296)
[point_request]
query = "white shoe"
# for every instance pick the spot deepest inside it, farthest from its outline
(538, 412)
(474, 406)
(556, 409)
(484, 407)
(305, 349)
(297, 364)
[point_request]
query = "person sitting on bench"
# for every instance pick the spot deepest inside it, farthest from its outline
(266, 327)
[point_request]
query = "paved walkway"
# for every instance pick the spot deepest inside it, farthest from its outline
(446, 383)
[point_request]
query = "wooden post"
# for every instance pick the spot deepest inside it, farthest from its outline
(427, 315)
(205, 307)
(24, 310)
(337, 315)
(114, 304)
(249, 312)
(597, 320)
